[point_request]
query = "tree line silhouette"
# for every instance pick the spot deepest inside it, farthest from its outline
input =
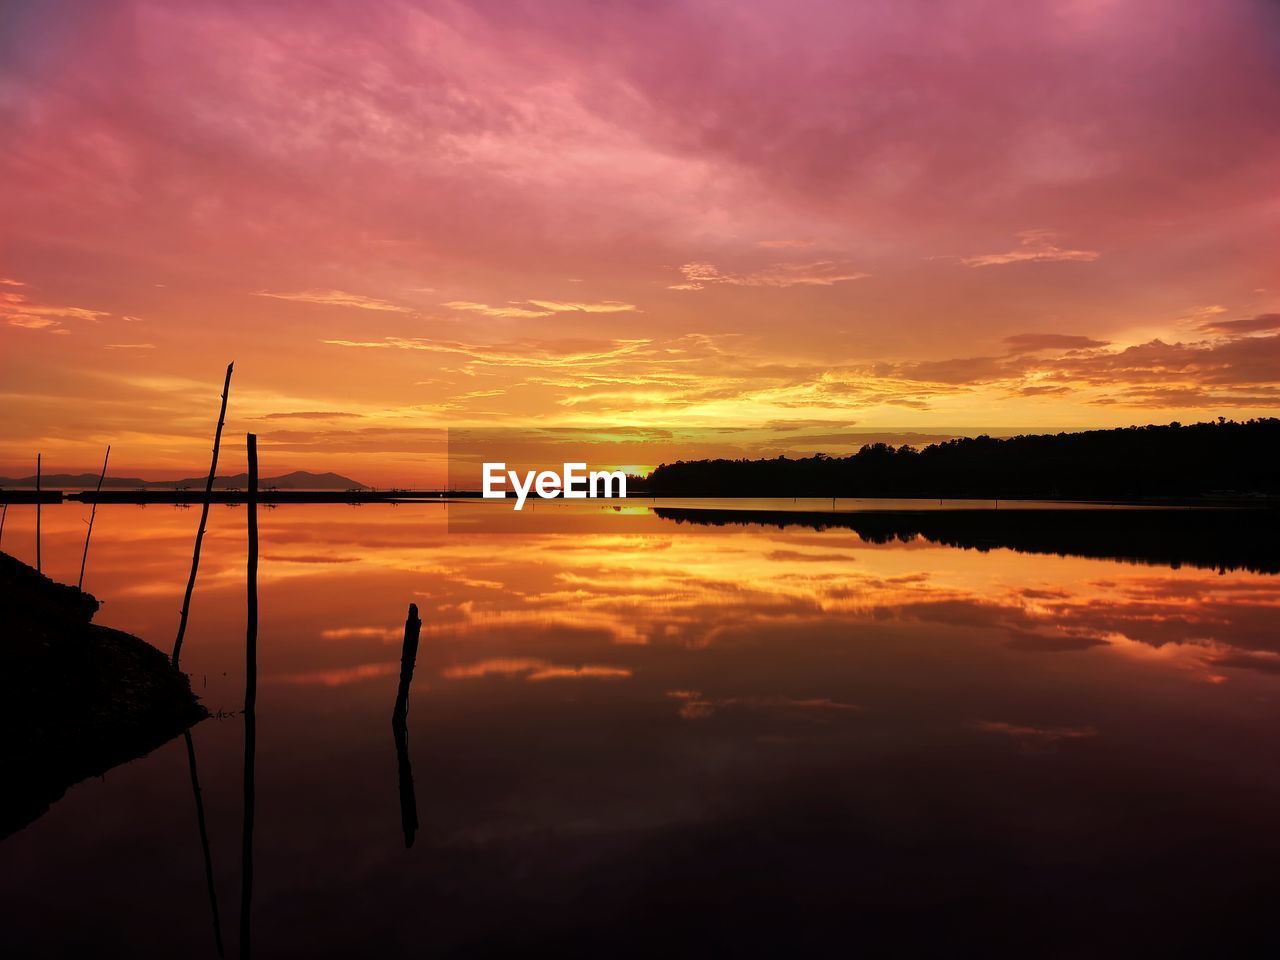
(1225, 457)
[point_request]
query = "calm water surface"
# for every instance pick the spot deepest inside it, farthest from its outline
(637, 736)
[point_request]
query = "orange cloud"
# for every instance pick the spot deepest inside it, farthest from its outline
(1030, 342)
(336, 298)
(1037, 246)
(540, 308)
(20, 311)
(512, 312)
(822, 273)
(36, 323)
(607, 306)
(1262, 323)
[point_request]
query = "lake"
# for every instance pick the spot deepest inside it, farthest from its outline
(645, 731)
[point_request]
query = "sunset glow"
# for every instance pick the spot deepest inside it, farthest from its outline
(396, 220)
(639, 478)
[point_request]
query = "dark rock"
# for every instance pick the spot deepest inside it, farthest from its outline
(76, 699)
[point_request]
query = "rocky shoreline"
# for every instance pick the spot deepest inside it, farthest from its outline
(76, 699)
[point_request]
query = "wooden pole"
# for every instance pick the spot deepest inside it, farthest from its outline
(92, 513)
(408, 657)
(37, 513)
(204, 519)
(250, 699)
(3, 514)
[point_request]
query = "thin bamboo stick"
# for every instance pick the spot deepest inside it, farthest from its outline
(92, 513)
(204, 519)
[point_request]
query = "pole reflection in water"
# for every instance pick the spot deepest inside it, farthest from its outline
(408, 802)
(250, 701)
(400, 726)
(204, 843)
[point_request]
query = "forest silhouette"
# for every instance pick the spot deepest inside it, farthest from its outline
(1223, 458)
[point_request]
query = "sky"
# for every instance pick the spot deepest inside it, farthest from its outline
(800, 218)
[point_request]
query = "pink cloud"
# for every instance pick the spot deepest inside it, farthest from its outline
(423, 124)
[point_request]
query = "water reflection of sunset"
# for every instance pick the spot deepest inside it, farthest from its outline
(637, 710)
(573, 605)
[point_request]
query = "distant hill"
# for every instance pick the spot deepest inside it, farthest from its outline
(298, 480)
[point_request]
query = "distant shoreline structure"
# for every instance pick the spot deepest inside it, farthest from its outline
(297, 480)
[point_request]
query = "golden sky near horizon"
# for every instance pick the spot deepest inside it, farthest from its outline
(807, 220)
